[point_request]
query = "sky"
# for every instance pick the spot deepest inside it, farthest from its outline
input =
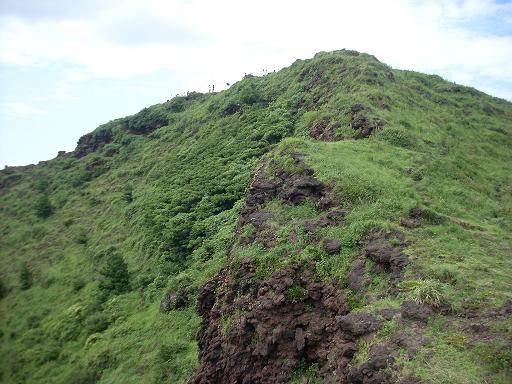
(67, 67)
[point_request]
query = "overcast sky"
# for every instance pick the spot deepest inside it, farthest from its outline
(66, 66)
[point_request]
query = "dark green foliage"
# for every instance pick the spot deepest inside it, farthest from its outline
(97, 322)
(78, 284)
(295, 293)
(116, 279)
(3, 290)
(80, 235)
(41, 185)
(128, 193)
(146, 121)
(25, 276)
(43, 206)
(167, 351)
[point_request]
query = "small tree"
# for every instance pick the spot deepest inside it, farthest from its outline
(25, 276)
(128, 193)
(116, 277)
(43, 206)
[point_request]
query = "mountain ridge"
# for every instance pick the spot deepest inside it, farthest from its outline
(382, 198)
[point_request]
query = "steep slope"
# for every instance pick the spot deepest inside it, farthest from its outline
(336, 221)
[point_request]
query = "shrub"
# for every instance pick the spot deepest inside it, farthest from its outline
(116, 279)
(96, 323)
(497, 354)
(429, 292)
(43, 207)
(295, 293)
(78, 284)
(445, 273)
(397, 136)
(146, 121)
(81, 236)
(25, 276)
(128, 193)
(168, 351)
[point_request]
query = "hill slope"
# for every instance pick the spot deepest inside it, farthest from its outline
(338, 220)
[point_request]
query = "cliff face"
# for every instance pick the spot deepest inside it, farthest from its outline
(261, 327)
(336, 221)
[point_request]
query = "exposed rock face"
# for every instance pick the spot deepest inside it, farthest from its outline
(173, 300)
(92, 141)
(363, 125)
(322, 130)
(260, 329)
(385, 248)
(331, 246)
(372, 372)
(506, 309)
(254, 332)
(415, 311)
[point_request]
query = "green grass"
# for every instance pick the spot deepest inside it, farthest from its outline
(167, 202)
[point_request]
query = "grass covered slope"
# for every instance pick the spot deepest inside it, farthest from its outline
(144, 210)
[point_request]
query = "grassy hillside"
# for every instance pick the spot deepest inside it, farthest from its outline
(160, 193)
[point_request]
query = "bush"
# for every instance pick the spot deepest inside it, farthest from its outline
(116, 279)
(146, 121)
(43, 207)
(295, 293)
(25, 276)
(128, 193)
(78, 284)
(81, 236)
(96, 323)
(429, 292)
(397, 136)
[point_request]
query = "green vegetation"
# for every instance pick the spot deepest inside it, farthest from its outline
(43, 207)
(89, 244)
(25, 276)
(430, 292)
(116, 279)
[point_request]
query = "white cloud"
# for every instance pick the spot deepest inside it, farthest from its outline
(217, 41)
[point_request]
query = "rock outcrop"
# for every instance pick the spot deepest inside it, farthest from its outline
(261, 329)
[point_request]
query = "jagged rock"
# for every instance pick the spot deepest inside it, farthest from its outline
(384, 252)
(506, 309)
(389, 313)
(372, 372)
(410, 342)
(300, 188)
(357, 108)
(259, 217)
(311, 225)
(331, 246)
(300, 340)
(363, 124)
(358, 324)
(414, 219)
(321, 131)
(336, 215)
(415, 311)
(356, 277)
(275, 322)
(272, 330)
(92, 141)
(232, 108)
(173, 300)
